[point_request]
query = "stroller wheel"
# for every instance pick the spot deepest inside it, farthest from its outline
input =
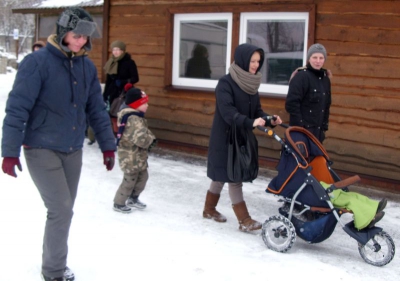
(278, 233)
(379, 250)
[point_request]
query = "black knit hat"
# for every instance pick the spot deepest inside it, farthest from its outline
(77, 20)
(135, 98)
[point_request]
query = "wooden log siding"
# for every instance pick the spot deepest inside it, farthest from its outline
(362, 39)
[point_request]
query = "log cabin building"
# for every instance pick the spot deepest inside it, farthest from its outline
(362, 39)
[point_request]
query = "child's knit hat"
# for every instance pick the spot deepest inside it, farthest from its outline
(135, 98)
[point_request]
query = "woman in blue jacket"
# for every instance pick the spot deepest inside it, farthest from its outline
(55, 90)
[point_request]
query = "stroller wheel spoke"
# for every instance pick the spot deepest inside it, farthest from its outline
(278, 233)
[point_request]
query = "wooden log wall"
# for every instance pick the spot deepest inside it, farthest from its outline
(363, 44)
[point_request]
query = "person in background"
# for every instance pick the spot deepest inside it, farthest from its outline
(134, 140)
(309, 96)
(38, 45)
(236, 92)
(55, 90)
(198, 65)
(120, 69)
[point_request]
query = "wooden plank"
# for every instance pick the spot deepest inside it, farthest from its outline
(363, 66)
(366, 91)
(181, 137)
(361, 136)
(205, 107)
(380, 171)
(137, 19)
(381, 86)
(156, 30)
(144, 40)
(353, 161)
(369, 119)
(155, 72)
(356, 20)
(376, 49)
(357, 34)
(359, 7)
(130, 7)
(191, 118)
(380, 104)
(151, 61)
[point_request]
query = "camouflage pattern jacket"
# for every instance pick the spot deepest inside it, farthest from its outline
(134, 144)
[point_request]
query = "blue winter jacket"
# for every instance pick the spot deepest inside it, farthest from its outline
(53, 99)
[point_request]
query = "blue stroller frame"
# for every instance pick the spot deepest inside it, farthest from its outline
(307, 211)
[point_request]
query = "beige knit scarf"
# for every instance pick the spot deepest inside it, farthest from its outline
(247, 81)
(111, 66)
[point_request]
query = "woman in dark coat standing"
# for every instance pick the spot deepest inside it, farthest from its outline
(236, 92)
(121, 69)
(309, 97)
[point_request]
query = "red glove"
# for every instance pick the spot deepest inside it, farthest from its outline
(127, 87)
(109, 159)
(9, 164)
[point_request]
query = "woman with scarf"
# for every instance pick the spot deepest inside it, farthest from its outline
(309, 96)
(236, 95)
(121, 69)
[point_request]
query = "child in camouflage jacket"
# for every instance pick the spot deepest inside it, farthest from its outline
(134, 139)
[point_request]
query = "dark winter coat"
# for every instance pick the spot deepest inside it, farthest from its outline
(309, 99)
(51, 99)
(127, 73)
(230, 99)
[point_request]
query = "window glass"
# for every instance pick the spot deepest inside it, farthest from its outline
(201, 49)
(282, 36)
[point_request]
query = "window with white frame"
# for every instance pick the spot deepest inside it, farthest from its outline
(283, 37)
(201, 49)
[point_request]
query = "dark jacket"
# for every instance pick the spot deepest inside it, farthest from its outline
(230, 99)
(127, 73)
(309, 99)
(51, 99)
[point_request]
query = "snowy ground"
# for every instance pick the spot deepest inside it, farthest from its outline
(169, 240)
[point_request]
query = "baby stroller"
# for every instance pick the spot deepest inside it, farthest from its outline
(307, 211)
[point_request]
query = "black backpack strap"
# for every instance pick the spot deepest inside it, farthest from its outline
(121, 127)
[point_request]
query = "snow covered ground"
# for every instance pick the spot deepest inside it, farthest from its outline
(169, 240)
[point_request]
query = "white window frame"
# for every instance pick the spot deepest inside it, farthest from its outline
(245, 17)
(190, 82)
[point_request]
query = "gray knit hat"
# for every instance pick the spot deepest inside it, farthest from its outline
(118, 44)
(316, 48)
(77, 20)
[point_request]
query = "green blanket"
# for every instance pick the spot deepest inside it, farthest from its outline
(363, 208)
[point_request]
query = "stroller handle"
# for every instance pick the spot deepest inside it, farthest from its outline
(271, 133)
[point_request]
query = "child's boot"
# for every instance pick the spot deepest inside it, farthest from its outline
(122, 208)
(134, 202)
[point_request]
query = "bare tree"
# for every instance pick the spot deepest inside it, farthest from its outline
(23, 22)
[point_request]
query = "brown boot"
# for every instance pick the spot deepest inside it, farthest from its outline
(209, 208)
(246, 223)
